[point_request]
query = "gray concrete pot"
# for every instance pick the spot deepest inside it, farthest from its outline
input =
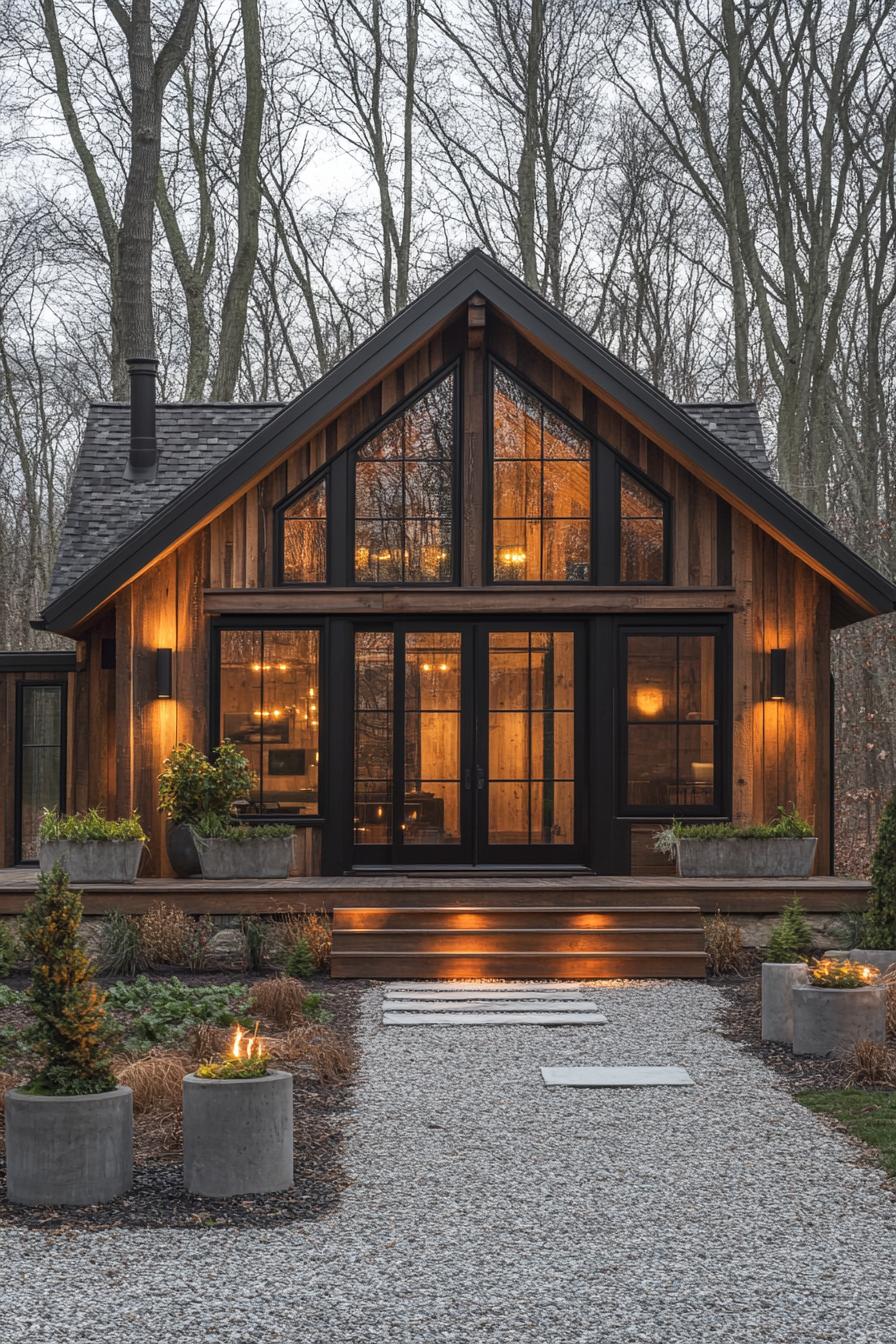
(870, 956)
(779, 979)
(745, 858)
(829, 1022)
(238, 1135)
(94, 860)
(68, 1150)
(223, 859)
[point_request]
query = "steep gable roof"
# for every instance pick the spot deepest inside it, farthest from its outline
(737, 470)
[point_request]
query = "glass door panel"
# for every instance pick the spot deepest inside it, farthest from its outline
(432, 738)
(531, 790)
(41, 761)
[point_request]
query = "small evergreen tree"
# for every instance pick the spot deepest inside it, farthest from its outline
(69, 1031)
(880, 918)
(791, 938)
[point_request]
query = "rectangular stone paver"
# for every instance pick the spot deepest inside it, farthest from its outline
(617, 1075)
(490, 1005)
(486, 986)
(464, 1019)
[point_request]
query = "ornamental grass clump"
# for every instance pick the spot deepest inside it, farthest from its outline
(832, 973)
(70, 1032)
(791, 939)
(725, 951)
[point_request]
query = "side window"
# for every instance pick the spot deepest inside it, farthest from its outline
(304, 536)
(642, 532)
(404, 494)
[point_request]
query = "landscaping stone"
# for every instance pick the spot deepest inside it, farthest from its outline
(491, 1018)
(94, 860)
(238, 1134)
(829, 1022)
(489, 1005)
(616, 1075)
(227, 949)
(68, 1150)
(778, 982)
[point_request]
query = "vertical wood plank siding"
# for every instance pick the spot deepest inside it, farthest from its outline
(781, 752)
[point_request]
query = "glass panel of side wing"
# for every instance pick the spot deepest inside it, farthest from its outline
(374, 711)
(404, 494)
(41, 760)
(642, 524)
(531, 738)
(671, 700)
(432, 736)
(270, 706)
(305, 537)
(541, 491)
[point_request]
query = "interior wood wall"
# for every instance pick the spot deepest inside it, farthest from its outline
(781, 752)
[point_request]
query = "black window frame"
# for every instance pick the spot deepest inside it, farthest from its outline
(21, 687)
(262, 623)
(720, 806)
(605, 521)
(340, 474)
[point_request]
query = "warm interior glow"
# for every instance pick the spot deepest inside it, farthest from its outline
(512, 555)
(649, 701)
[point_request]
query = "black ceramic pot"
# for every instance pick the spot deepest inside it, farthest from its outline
(182, 853)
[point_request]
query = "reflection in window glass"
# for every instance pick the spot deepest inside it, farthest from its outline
(374, 736)
(671, 733)
(305, 537)
(531, 738)
(40, 758)
(641, 533)
(270, 697)
(404, 494)
(541, 491)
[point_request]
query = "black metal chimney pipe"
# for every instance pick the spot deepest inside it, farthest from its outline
(143, 454)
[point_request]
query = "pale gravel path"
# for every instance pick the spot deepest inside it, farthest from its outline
(489, 1208)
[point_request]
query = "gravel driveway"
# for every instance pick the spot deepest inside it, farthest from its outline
(486, 1207)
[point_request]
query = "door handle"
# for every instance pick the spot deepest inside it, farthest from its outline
(480, 777)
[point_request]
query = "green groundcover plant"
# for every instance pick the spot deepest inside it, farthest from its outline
(214, 826)
(787, 825)
(70, 1033)
(82, 827)
(162, 1012)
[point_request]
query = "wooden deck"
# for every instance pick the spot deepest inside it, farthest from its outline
(820, 895)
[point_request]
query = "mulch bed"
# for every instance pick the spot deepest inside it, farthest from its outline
(158, 1197)
(742, 1021)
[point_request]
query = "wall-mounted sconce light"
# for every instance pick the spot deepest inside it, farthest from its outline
(777, 674)
(163, 674)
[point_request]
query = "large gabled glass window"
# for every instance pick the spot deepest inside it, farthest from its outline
(541, 490)
(403, 478)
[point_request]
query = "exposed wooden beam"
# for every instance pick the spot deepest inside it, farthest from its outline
(584, 600)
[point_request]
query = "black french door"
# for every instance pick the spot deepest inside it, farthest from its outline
(468, 744)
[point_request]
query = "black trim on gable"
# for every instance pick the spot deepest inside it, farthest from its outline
(475, 274)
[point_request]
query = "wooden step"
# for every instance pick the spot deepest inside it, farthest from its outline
(518, 965)
(511, 939)
(517, 916)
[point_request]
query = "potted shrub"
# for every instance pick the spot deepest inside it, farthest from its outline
(843, 1003)
(784, 967)
(190, 786)
(229, 850)
(784, 847)
(69, 1129)
(91, 847)
(238, 1123)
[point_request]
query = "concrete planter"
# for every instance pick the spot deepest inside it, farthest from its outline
(68, 1150)
(779, 979)
(244, 858)
(94, 860)
(238, 1135)
(745, 858)
(830, 1021)
(870, 956)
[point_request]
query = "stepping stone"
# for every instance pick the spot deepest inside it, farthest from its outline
(617, 1075)
(485, 987)
(492, 1006)
(481, 995)
(489, 1019)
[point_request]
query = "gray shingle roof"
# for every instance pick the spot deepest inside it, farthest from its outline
(737, 424)
(104, 508)
(193, 437)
